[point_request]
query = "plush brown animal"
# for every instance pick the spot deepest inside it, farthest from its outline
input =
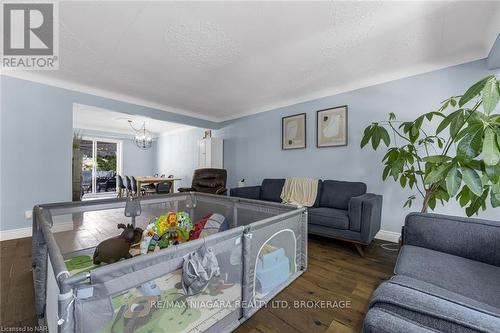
(113, 249)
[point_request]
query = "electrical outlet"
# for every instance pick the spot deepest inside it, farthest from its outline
(28, 214)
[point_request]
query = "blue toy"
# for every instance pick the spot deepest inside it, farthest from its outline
(149, 289)
(273, 269)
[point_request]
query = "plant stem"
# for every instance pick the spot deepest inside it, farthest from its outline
(428, 194)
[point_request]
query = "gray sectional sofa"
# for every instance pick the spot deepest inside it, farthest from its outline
(343, 210)
(447, 278)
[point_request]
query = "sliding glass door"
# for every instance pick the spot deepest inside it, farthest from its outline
(101, 162)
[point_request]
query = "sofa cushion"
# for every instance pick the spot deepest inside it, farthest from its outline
(433, 307)
(473, 279)
(329, 217)
(336, 194)
(270, 189)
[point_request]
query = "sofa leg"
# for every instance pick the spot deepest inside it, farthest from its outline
(359, 248)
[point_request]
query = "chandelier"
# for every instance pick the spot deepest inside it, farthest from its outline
(143, 138)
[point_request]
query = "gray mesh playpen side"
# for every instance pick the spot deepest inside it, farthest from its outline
(82, 303)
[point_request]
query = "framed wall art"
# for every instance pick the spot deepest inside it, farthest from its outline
(331, 127)
(293, 132)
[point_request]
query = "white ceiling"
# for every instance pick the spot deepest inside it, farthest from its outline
(93, 118)
(221, 60)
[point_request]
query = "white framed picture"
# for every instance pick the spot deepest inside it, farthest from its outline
(293, 132)
(331, 127)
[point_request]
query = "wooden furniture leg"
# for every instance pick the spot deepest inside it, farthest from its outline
(359, 248)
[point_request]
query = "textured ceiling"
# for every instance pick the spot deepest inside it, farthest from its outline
(221, 60)
(93, 118)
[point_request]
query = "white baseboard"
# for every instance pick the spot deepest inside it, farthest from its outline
(389, 236)
(26, 232)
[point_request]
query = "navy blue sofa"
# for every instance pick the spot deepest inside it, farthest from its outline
(447, 278)
(343, 210)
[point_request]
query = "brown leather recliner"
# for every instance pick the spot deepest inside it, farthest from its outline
(208, 181)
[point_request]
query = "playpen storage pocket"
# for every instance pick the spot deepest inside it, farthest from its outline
(273, 257)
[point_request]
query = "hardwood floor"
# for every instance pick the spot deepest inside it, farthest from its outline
(336, 273)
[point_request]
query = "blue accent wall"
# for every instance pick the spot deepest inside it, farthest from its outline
(252, 145)
(493, 59)
(36, 134)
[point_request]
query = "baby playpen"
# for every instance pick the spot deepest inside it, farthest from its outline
(262, 251)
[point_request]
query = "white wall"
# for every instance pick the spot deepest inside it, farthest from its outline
(177, 154)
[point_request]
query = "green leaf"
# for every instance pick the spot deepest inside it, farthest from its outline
(437, 174)
(385, 136)
(437, 158)
(453, 181)
(472, 180)
(376, 137)
(490, 95)
(470, 146)
(386, 171)
(491, 155)
(493, 172)
(417, 124)
(392, 116)
(476, 203)
(367, 134)
(464, 196)
(432, 202)
(409, 201)
(494, 201)
(456, 124)
(447, 120)
(402, 181)
(474, 90)
(468, 129)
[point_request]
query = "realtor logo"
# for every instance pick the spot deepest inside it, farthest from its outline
(30, 36)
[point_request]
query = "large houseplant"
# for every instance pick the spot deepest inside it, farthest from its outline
(459, 159)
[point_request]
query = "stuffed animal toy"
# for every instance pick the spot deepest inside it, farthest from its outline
(116, 248)
(172, 220)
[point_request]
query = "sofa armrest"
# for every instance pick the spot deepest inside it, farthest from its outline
(248, 192)
(365, 212)
(470, 238)
(185, 189)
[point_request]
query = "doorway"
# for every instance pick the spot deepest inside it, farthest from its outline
(101, 162)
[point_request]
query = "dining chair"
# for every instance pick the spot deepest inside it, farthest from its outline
(120, 186)
(128, 184)
(133, 185)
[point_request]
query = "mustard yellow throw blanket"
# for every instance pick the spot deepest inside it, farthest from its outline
(300, 191)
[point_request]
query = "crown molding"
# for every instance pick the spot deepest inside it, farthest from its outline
(68, 85)
(360, 84)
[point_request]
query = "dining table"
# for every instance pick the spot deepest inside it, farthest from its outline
(141, 180)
